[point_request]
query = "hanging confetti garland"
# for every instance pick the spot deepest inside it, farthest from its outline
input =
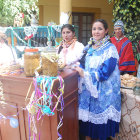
(30, 32)
(41, 103)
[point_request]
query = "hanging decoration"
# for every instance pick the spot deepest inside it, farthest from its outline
(52, 34)
(57, 28)
(13, 119)
(18, 36)
(13, 122)
(64, 18)
(28, 37)
(41, 103)
(30, 32)
(3, 29)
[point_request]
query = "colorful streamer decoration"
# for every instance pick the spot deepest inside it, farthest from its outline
(44, 101)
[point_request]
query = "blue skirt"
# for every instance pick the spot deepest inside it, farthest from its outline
(101, 131)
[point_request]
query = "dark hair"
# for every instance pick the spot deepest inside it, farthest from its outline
(103, 22)
(69, 26)
(82, 60)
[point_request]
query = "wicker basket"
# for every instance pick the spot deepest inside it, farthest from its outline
(49, 63)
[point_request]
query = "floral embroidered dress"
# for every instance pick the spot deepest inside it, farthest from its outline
(99, 93)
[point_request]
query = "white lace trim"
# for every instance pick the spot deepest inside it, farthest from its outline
(95, 61)
(87, 80)
(109, 114)
(96, 75)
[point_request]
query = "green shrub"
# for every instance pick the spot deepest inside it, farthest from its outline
(9, 8)
(129, 12)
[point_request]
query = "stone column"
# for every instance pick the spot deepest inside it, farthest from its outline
(66, 8)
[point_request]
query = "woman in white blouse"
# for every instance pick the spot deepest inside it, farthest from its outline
(70, 50)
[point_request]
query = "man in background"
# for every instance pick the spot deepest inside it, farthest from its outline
(124, 48)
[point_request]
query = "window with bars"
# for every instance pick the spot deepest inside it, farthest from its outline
(84, 22)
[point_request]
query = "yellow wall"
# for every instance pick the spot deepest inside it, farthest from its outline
(50, 10)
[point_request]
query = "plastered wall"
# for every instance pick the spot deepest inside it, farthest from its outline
(49, 10)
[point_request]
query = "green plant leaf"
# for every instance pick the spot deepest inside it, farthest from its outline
(129, 12)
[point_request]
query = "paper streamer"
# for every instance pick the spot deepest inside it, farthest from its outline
(41, 103)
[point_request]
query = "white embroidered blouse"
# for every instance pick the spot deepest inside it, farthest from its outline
(73, 54)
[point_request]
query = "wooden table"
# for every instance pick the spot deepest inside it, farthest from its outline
(15, 90)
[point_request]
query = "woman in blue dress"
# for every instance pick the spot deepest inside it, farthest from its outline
(99, 86)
